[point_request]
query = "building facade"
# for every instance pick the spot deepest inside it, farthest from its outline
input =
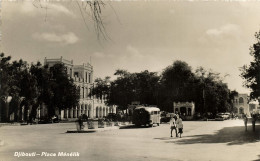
(185, 109)
(93, 107)
(241, 104)
(254, 107)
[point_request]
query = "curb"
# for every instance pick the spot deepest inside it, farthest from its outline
(93, 130)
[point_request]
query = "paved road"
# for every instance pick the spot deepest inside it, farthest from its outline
(202, 141)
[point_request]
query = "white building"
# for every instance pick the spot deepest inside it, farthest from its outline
(83, 78)
(241, 104)
(186, 109)
(254, 107)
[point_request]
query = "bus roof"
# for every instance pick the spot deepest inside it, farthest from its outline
(149, 109)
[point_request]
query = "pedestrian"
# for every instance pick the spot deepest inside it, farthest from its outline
(179, 125)
(254, 117)
(173, 125)
(80, 121)
(245, 121)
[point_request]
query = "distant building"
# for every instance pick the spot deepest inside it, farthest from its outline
(185, 109)
(254, 107)
(82, 75)
(241, 104)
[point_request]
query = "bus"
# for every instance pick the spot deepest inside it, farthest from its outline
(146, 116)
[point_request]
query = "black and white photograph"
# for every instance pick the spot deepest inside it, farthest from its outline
(129, 80)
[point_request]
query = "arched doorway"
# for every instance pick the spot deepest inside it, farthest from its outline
(82, 109)
(189, 111)
(100, 112)
(241, 100)
(104, 112)
(97, 112)
(183, 111)
(86, 110)
(241, 110)
(235, 110)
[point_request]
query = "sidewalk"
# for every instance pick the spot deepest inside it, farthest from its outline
(10, 124)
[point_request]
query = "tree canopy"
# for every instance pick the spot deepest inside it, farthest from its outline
(177, 83)
(251, 73)
(32, 85)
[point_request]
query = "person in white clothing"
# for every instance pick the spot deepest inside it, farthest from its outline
(179, 125)
(173, 126)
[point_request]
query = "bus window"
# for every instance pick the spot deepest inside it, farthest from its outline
(152, 113)
(155, 112)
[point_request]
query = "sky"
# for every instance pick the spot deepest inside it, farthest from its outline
(143, 35)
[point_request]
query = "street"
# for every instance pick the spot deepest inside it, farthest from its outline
(202, 140)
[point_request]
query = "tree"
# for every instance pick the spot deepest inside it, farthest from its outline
(5, 80)
(101, 87)
(64, 91)
(251, 73)
(122, 90)
(232, 95)
(146, 87)
(43, 79)
(128, 87)
(27, 84)
(205, 88)
(175, 84)
(17, 82)
(215, 94)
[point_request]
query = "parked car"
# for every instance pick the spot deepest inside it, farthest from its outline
(219, 117)
(227, 115)
(165, 119)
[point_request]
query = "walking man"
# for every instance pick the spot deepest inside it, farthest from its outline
(173, 126)
(245, 121)
(179, 125)
(254, 117)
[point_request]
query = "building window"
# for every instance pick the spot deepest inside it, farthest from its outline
(183, 111)
(76, 74)
(89, 79)
(90, 93)
(86, 93)
(241, 110)
(241, 100)
(235, 110)
(189, 111)
(83, 95)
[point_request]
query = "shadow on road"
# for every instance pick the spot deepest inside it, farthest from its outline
(230, 135)
(258, 158)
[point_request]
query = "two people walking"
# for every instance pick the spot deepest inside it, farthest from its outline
(176, 124)
(253, 119)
